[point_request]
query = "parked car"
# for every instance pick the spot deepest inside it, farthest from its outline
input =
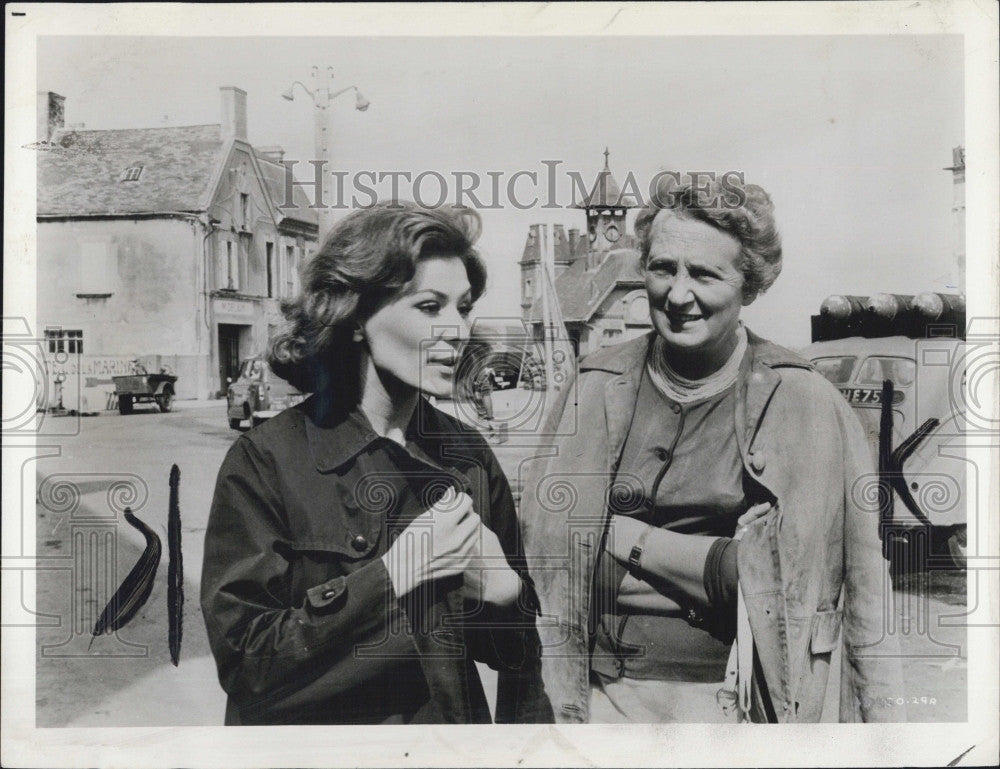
(258, 394)
(860, 343)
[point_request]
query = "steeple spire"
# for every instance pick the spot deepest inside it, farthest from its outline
(606, 210)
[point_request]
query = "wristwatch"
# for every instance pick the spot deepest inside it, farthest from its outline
(635, 554)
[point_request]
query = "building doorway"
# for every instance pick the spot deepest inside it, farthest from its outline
(229, 353)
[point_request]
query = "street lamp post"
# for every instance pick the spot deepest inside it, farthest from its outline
(322, 96)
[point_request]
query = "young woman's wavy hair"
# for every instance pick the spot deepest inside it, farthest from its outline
(368, 258)
(744, 211)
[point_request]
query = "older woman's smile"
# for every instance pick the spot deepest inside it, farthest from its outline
(678, 318)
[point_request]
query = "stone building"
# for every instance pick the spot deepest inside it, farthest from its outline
(597, 278)
(166, 244)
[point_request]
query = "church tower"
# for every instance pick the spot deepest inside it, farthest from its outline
(606, 212)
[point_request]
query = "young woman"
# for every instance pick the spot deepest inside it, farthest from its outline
(362, 550)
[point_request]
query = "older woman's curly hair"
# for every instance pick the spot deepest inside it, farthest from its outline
(744, 211)
(368, 258)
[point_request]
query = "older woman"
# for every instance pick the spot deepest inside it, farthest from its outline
(676, 444)
(362, 549)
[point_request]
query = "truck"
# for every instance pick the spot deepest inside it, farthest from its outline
(898, 360)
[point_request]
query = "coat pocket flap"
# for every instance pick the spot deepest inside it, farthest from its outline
(825, 631)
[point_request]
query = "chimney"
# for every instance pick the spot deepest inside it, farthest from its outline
(532, 247)
(51, 114)
(234, 113)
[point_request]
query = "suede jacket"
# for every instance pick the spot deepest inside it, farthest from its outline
(809, 569)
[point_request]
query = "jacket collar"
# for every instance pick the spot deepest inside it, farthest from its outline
(759, 386)
(626, 362)
(630, 355)
(336, 434)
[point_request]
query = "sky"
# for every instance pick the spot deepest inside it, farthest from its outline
(849, 134)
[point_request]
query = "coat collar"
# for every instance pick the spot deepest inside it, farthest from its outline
(630, 355)
(336, 434)
(626, 360)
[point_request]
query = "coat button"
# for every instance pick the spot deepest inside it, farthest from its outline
(359, 543)
(662, 454)
(676, 408)
(757, 461)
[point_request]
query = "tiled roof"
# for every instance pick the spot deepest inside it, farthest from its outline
(274, 180)
(581, 292)
(79, 172)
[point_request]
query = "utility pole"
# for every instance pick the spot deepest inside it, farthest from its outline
(322, 96)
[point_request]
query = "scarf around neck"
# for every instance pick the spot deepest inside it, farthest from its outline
(684, 390)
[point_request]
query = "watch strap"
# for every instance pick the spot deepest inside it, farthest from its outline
(635, 554)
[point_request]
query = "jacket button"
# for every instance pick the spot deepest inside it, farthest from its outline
(359, 543)
(676, 408)
(757, 461)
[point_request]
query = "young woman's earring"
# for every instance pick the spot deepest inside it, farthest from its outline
(359, 335)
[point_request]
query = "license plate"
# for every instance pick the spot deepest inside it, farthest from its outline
(868, 396)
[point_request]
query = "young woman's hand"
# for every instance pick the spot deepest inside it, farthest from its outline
(438, 543)
(489, 578)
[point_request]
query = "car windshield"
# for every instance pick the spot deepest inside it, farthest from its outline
(837, 370)
(250, 369)
(878, 368)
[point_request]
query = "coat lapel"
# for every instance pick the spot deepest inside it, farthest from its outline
(619, 404)
(620, 393)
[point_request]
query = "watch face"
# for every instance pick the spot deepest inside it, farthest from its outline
(611, 233)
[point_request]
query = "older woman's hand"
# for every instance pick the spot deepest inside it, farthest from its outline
(751, 515)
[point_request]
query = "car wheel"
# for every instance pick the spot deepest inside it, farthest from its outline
(124, 404)
(235, 424)
(165, 401)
